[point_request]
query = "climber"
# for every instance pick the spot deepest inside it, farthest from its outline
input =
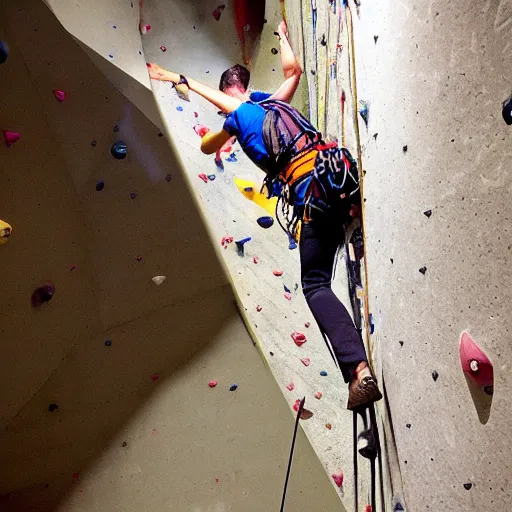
(318, 189)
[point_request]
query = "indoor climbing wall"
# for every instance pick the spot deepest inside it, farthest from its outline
(436, 156)
(200, 40)
(129, 381)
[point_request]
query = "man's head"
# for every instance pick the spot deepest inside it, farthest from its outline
(235, 81)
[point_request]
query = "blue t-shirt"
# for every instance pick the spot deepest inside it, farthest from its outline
(246, 124)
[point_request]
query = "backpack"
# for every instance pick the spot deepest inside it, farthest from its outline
(286, 134)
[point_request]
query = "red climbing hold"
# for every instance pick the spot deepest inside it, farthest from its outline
(290, 387)
(72, 267)
(144, 29)
(255, 259)
(213, 383)
(203, 177)
(305, 414)
(306, 361)
(139, 258)
(338, 478)
(218, 11)
(258, 308)
(298, 338)
(163, 47)
(11, 137)
(328, 426)
(155, 377)
(76, 476)
(201, 129)
(307, 324)
(60, 95)
(368, 508)
(277, 273)
(226, 240)
(475, 364)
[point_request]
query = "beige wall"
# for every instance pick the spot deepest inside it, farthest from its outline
(180, 434)
(436, 80)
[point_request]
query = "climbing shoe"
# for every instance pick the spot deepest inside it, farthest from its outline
(362, 392)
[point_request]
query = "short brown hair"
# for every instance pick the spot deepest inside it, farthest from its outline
(235, 76)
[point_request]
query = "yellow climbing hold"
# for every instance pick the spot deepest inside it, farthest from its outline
(251, 192)
(5, 232)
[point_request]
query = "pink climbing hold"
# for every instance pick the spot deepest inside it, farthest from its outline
(277, 273)
(258, 308)
(305, 414)
(290, 387)
(163, 47)
(226, 240)
(60, 95)
(144, 28)
(475, 364)
(196, 114)
(298, 338)
(287, 295)
(203, 176)
(255, 259)
(306, 361)
(201, 129)
(213, 383)
(11, 137)
(218, 11)
(338, 478)
(318, 395)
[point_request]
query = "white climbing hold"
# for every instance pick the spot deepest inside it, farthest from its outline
(158, 280)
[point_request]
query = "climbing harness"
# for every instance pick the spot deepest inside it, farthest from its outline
(308, 176)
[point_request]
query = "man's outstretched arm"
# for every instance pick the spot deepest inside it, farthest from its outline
(221, 100)
(292, 69)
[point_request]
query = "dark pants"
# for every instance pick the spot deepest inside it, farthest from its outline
(319, 243)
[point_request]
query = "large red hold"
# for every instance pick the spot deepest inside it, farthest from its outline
(249, 21)
(475, 364)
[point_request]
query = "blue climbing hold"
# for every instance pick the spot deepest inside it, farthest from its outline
(506, 112)
(219, 164)
(398, 507)
(108, 343)
(118, 150)
(292, 244)
(265, 222)
(240, 245)
(286, 289)
(364, 112)
(211, 177)
(100, 186)
(372, 325)
(233, 387)
(323, 373)
(248, 189)
(4, 51)
(179, 108)
(231, 158)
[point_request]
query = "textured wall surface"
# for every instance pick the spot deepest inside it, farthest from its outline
(105, 403)
(435, 81)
